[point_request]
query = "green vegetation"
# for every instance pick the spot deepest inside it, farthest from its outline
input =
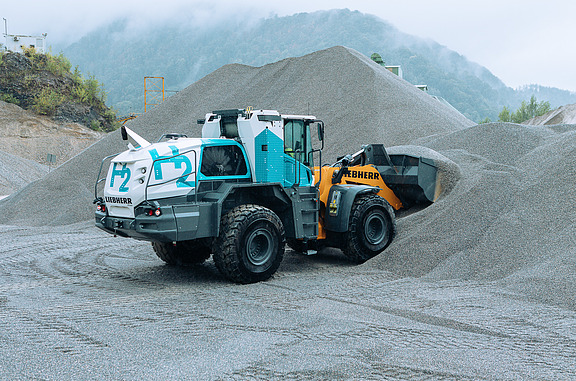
(8, 98)
(47, 85)
(526, 111)
(85, 90)
(47, 101)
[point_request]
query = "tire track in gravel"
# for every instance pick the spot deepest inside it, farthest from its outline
(378, 373)
(548, 350)
(100, 293)
(49, 332)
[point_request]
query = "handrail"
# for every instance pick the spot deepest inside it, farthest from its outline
(98, 179)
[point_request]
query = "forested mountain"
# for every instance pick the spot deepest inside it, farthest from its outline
(182, 53)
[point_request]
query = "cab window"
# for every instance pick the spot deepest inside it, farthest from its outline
(297, 142)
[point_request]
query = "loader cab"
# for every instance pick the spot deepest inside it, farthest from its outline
(298, 149)
(278, 147)
(297, 141)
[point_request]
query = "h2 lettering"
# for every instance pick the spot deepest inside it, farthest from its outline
(177, 160)
(124, 173)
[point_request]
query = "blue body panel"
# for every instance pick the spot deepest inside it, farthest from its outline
(274, 166)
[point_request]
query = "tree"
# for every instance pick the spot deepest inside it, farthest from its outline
(505, 115)
(526, 111)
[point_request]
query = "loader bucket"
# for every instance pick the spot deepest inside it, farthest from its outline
(413, 179)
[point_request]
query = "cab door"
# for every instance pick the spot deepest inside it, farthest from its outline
(297, 153)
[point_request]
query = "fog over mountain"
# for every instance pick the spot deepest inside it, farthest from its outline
(120, 56)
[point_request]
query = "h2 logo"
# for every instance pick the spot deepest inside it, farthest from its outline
(178, 160)
(124, 173)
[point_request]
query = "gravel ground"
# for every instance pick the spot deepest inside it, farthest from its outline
(480, 285)
(79, 304)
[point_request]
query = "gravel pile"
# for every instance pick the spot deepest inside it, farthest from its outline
(562, 115)
(16, 172)
(511, 217)
(359, 101)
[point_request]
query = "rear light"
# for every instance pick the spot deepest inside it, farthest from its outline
(154, 212)
(101, 208)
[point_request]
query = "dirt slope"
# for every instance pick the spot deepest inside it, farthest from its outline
(25, 134)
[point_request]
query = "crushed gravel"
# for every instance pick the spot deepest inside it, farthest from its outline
(509, 211)
(16, 172)
(562, 115)
(359, 101)
(510, 218)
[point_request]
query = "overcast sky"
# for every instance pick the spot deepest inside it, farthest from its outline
(520, 41)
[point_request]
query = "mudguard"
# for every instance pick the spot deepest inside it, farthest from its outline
(340, 200)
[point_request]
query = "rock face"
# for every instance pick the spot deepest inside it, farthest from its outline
(359, 101)
(24, 78)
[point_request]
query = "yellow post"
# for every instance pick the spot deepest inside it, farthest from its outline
(153, 87)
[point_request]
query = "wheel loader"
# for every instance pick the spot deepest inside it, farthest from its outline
(252, 183)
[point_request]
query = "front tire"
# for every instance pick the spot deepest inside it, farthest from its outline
(251, 244)
(183, 253)
(371, 228)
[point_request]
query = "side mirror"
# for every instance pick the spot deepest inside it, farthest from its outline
(124, 133)
(321, 131)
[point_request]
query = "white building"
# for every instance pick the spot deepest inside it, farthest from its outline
(18, 42)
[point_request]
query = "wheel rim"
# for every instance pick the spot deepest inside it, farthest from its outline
(259, 247)
(375, 229)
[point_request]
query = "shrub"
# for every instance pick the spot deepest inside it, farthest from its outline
(77, 76)
(47, 101)
(9, 98)
(80, 94)
(526, 111)
(95, 91)
(58, 65)
(95, 125)
(29, 52)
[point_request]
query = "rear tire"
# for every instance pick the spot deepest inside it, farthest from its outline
(371, 228)
(251, 244)
(183, 253)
